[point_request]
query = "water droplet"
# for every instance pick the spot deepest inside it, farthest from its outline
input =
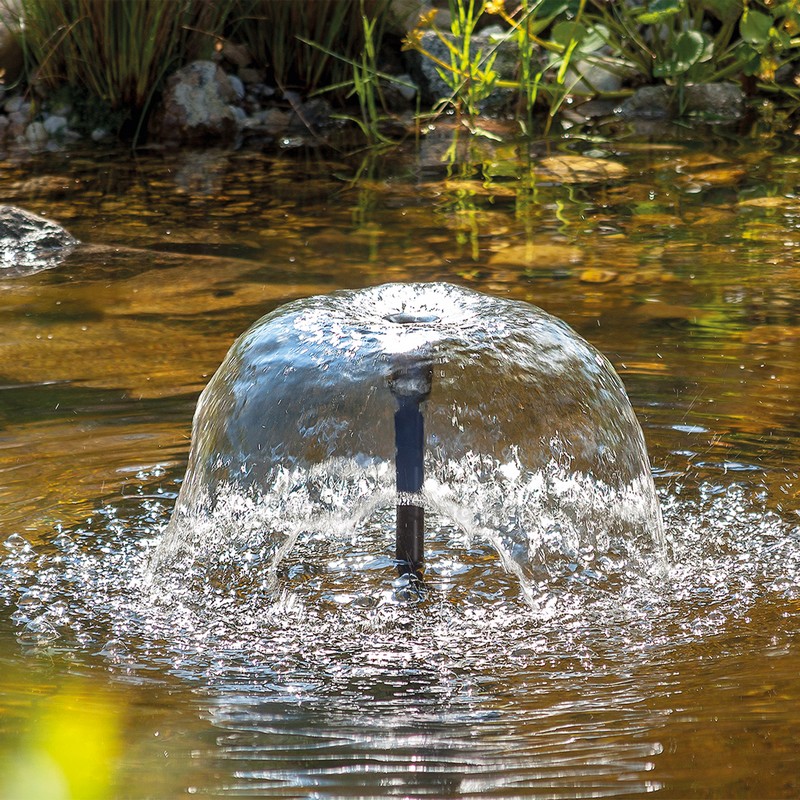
(38, 631)
(17, 543)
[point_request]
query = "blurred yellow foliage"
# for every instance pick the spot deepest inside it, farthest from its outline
(70, 753)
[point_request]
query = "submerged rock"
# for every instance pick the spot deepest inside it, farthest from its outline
(30, 243)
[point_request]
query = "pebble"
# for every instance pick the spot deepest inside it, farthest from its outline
(13, 104)
(54, 124)
(36, 133)
(405, 86)
(238, 86)
(239, 114)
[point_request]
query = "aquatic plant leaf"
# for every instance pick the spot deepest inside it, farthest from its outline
(724, 10)
(691, 47)
(588, 39)
(754, 27)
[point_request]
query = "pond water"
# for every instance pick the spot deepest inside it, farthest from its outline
(675, 256)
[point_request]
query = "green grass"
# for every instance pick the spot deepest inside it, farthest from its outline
(115, 52)
(279, 33)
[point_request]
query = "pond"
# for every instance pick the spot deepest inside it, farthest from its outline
(675, 254)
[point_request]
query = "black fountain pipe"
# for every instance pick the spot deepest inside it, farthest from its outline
(410, 383)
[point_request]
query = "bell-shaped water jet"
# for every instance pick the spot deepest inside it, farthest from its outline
(487, 411)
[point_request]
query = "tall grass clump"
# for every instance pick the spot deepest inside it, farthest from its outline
(117, 51)
(307, 45)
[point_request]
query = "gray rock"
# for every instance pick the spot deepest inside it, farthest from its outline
(405, 87)
(196, 106)
(30, 243)
(714, 100)
(35, 133)
(16, 103)
(490, 41)
(399, 93)
(720, 100)
(311, 115)
(238, 86)
(55, 125)
(239, 115)
(17, 122)
(594, 77)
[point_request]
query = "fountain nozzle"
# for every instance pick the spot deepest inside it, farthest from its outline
(410, 383)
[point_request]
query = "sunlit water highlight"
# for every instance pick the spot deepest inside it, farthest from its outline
(328, 654)
(328, 675)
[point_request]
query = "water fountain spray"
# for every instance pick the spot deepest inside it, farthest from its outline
(292, 436)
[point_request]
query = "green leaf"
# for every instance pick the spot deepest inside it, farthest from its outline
(690, 48)
(754, 27)
(723, 10)
(565, 32)
(588, 39)
(659, 11)
(552, 8)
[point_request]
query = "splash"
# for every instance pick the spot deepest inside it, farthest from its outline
(531, 444)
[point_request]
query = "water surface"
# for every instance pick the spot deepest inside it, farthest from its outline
(676, 259)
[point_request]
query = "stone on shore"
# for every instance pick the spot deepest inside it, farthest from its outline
(197, 107)
(723, 101)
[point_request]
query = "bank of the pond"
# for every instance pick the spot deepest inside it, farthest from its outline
(274, 75)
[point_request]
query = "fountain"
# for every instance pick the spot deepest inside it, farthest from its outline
(441, 401)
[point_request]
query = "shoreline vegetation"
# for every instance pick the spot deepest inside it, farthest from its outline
(279, 72)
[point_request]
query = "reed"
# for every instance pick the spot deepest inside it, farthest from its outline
(306, 45)
(119, 51)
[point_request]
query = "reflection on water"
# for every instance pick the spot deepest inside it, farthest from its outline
(680, 267)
